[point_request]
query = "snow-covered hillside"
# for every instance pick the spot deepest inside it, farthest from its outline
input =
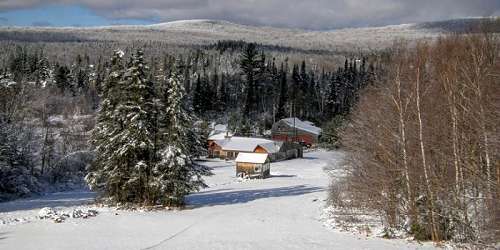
(198, 32)
(282, 212)
(201, 32)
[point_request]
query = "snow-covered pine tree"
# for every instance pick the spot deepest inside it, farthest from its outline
(134, 145)
(176, 174)
(198, 97)
(106, 174)
(283, 95)
(251, 67)
(119, 138)
(42, 73)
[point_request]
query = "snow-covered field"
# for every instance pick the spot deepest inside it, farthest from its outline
(282, 212)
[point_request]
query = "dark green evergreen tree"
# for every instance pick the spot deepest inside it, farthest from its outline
(176, 174)
(198, 96)
(123, 136)
(251, 67)
(283, 95)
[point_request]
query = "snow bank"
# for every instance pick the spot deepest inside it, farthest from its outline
(61, 216)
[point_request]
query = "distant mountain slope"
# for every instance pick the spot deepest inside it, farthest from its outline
(200, 32)
(464, 25)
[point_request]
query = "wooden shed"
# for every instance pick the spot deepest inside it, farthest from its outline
(253, 165)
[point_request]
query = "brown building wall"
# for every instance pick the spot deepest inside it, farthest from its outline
(307, 138)
(214, 150)
(260, 149)
(249, 169)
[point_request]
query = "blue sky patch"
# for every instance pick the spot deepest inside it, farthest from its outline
(59, 15)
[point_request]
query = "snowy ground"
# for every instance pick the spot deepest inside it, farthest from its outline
(282, 212)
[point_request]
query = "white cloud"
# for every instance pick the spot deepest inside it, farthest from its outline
(312, 14)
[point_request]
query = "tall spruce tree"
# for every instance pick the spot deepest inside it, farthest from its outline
(135, 139)
(222, 95)
(281, 112)
(176, 174)
(198, 97)
(123, 134)
(251, 67)
(105, 174)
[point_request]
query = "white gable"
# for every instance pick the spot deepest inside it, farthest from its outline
(258, 158)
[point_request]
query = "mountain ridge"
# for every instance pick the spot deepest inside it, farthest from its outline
(207, 31)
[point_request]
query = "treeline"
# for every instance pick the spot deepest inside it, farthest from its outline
(216, 84)
(264, 90)
(237, 46)
(423, 142)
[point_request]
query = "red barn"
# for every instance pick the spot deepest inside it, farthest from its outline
(295, 130)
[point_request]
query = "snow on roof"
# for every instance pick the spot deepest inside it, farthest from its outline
(252, 157)
(219, 136)
(247, 144)
(272, 147)
(302, 125)
(220, 127)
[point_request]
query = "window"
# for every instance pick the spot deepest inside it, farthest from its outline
(257, 168)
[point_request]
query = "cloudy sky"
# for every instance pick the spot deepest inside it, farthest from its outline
(308, 14)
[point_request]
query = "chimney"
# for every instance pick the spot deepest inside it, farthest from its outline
(227, 136)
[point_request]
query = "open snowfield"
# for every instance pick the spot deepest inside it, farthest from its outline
(282, 212)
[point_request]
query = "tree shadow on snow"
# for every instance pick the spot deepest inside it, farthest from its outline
(283, 175)
(64, 199)
(3, 236)
(309, 158)
(214, 198)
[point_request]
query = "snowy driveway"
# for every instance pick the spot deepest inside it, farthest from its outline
(282, 212)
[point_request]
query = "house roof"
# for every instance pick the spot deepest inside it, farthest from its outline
(220, 127)
(302, 125)
(219, 136)
(252, 158)
(245, 144)
(272, 147)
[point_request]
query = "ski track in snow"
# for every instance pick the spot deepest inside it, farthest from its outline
(282, 212)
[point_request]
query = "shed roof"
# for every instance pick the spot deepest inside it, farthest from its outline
(258, 158)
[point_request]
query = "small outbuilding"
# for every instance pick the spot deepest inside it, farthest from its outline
(253, 165)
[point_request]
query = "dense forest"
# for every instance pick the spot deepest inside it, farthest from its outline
(427, 157)
(51, 94)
